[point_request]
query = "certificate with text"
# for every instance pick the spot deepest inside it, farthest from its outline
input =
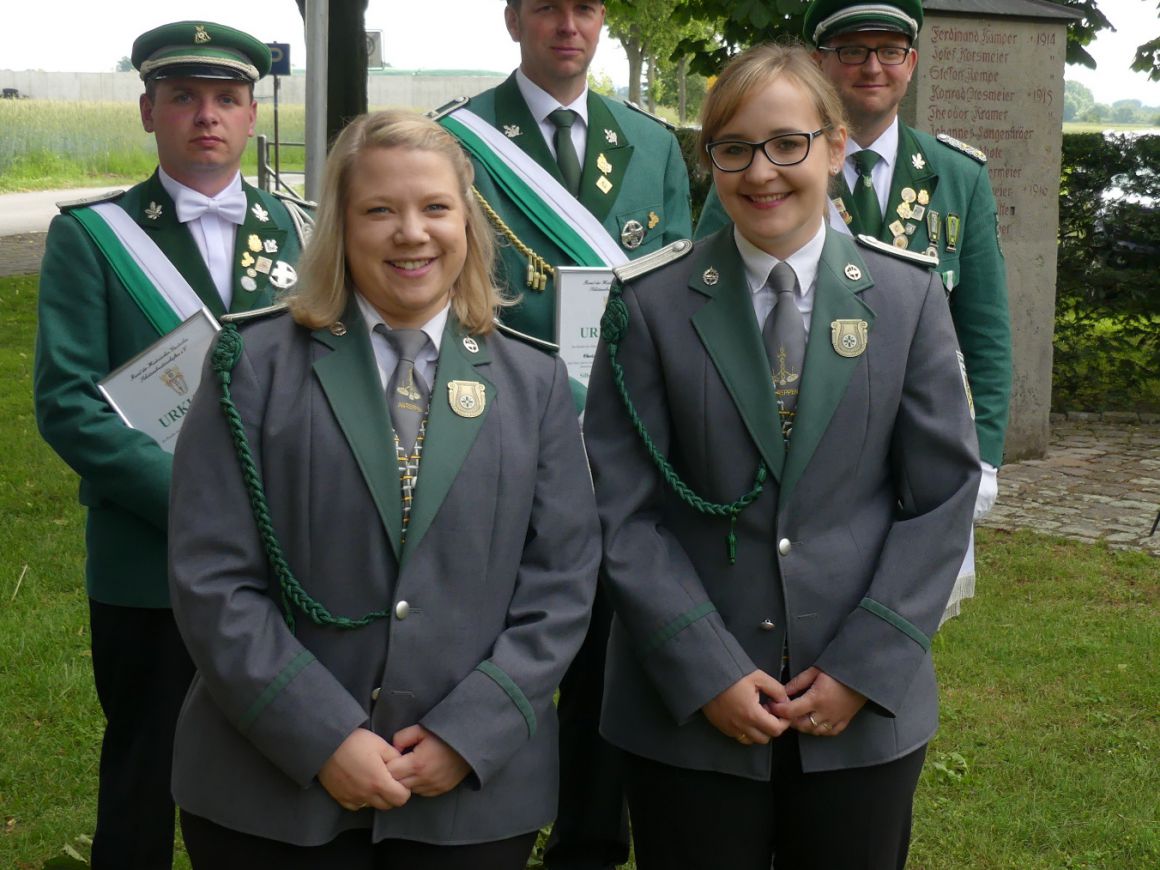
(152, 391)
(581, 294)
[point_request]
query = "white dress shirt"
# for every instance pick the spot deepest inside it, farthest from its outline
(803, 261)
(213, 234)
(385, 356)
(541, 104)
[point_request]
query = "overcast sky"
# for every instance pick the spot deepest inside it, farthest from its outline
(91, 36)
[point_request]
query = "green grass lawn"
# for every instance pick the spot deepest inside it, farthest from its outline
(1047, 757)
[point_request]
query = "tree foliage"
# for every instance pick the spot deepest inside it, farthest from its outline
(748, 22)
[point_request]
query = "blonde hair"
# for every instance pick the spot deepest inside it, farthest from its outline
(324, 285)
(754, 70)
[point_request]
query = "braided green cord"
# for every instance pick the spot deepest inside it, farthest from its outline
(613, 326)
(226, 354)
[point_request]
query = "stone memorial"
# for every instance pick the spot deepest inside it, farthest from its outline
(990, 73)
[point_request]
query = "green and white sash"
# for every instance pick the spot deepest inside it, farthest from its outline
(557, 213)
(159, 289)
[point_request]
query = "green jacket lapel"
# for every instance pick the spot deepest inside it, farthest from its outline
(449, 436)
(826, 374)
(606, 158)
(251, 269)
(845, 203)
(912, 170)
(157, 215)
(728, 329)
(512, 113)
(350, 378)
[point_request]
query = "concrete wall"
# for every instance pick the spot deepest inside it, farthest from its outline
(997, 83)
(417, 91)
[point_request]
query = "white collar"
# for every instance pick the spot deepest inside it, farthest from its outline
(885, 146)
(803, 261)
(541, 103)
(433, 327)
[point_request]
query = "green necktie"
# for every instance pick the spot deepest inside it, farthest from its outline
(865, 197)
(566, 157)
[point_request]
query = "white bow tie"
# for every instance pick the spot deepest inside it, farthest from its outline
(231, 206)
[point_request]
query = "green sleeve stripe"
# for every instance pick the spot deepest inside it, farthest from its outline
(905, 626)
(274, 689)
(513, 691)
(664, 635)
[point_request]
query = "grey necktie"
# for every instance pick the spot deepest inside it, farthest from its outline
(407, 392)
(566, 157)
(784, 336)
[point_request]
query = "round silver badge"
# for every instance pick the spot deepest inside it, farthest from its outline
(249, 283)
(632, 235)
(853, 272)
(471, 344)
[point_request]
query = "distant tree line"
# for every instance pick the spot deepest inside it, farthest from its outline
(1080, 105)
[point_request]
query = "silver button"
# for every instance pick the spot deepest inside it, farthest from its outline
(784, 546)
(402, 610)
(766, 625)
(375, 693)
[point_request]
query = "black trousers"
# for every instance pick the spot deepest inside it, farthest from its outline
(213, 847)
(857, 819)
(142, 672)
(591, 829)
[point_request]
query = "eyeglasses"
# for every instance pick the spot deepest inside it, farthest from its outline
(855, 55)
(785, 149)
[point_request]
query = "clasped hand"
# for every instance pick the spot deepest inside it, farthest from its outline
(757, 708)
(367, 771)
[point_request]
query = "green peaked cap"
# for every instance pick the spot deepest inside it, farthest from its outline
(200, 49)
(828, 18)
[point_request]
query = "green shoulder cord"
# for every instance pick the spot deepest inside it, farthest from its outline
(613, 327)
(226, 353)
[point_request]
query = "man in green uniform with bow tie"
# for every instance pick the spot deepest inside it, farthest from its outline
(119, 272)
(920, 193)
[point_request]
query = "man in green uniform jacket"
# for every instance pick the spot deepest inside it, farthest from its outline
(628, 176)
(104, 298)
(924, 193)
(603, 183)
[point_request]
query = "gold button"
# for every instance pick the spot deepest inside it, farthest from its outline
(402, 610)
(375, 693)
(784, 546)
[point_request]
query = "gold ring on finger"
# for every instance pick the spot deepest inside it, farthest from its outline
(743, 739)
(813, 721)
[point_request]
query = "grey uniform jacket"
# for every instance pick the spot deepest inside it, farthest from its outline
(497, 572)
(851, 548)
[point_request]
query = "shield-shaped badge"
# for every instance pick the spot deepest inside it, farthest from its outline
(849, 337)
(466, 398)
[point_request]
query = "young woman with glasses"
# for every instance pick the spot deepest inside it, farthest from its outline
(785, 468)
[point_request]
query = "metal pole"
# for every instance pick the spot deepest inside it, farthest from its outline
(277, 138)
(263, 172)
(317, 37)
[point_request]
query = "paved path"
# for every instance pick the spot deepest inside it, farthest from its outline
(1100, 481)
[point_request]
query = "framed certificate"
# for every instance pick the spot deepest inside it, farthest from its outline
(153, 390)
(581, 294)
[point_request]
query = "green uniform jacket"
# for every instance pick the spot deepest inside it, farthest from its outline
(649, 181)
(970, 262)
(88, 325)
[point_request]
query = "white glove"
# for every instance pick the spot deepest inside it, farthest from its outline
(988, 490)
